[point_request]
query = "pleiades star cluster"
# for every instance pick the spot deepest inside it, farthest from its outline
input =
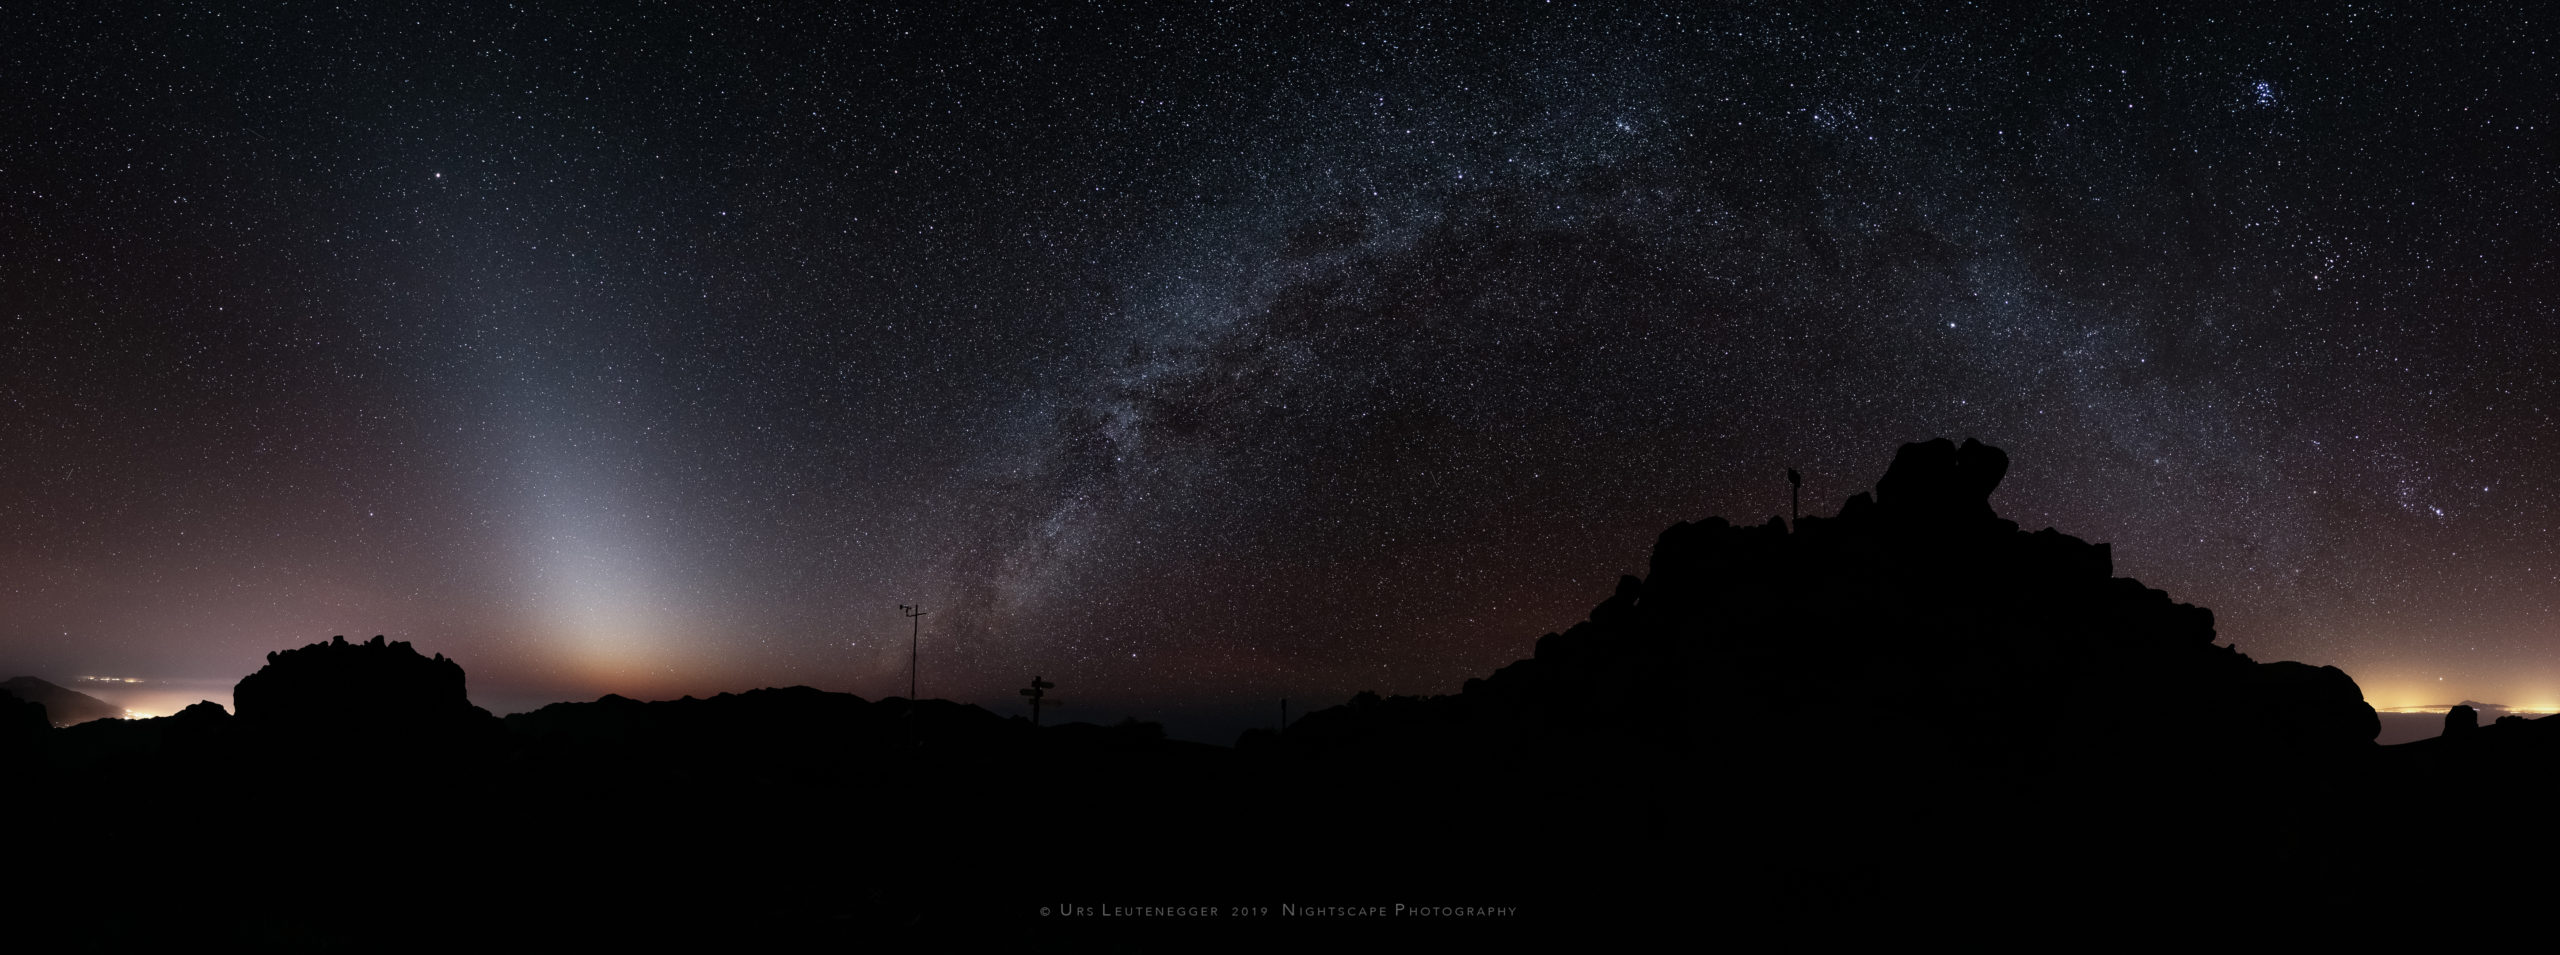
(1193, 356)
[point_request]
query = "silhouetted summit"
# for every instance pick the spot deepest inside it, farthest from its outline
(65, 707)
(1916, 628)
(373, 684)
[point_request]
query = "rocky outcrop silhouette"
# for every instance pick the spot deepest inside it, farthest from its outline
(2461, 719)
(1908, 630)
(65, 707)
(343, 683)
(1912, 702)
(376, 704)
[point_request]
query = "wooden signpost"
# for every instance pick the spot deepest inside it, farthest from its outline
(1037, 691)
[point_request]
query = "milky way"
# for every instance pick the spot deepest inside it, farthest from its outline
(1199, 356)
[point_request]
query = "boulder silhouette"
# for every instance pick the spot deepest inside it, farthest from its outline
(1938, 480)
(2305, 707)
(2460, 720)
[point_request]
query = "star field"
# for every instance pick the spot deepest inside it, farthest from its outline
(1198, 355)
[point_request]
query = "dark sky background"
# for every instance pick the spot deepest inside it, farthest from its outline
(1196, 356)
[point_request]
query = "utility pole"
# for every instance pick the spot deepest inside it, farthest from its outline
(915, 639)
(1795, 489)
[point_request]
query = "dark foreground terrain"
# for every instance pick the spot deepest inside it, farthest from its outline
(1883, 782)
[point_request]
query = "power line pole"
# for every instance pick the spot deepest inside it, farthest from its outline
(915, 639)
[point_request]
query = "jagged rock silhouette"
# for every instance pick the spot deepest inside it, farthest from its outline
(366, 686)
(1910, 629)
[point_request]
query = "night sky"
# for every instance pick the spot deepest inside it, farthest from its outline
(1198, 356)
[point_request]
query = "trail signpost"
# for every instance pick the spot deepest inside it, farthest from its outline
(1037, 691)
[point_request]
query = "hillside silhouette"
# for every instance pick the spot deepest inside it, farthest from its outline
(62, 706)
(1910, 707)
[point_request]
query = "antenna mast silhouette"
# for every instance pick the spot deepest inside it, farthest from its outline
(1795, 494)
(915, 639)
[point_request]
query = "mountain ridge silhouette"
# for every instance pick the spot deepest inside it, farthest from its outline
(63, 706)
(1557, 785)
